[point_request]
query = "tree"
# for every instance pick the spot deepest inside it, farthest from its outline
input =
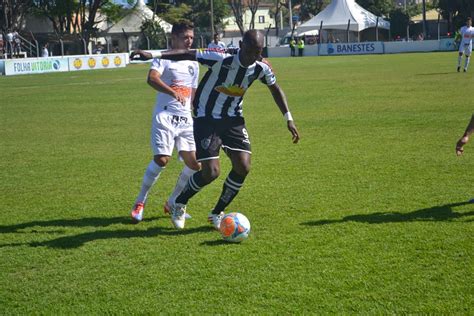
(153, 31)
(238, 10)
(456, 12)
(253, 7)
(12, 13)
(377, 7)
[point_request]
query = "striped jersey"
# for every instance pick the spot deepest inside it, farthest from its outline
(220, 92)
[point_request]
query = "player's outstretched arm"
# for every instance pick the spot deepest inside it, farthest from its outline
(174, 54)
(465, 138)
(280, 100)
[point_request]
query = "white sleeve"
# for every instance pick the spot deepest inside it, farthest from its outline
(158, 65)
(267, 76)
(208, 57)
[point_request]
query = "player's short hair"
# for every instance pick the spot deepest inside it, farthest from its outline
(469, 19)
(181, 27)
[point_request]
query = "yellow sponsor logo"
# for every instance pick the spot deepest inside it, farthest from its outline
(117, 61)
(91, 62)
(77, 63)
(233, 91)
(105, 61)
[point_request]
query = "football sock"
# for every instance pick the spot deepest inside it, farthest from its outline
(183, 179)
(459, 61)
(194, 185)
(466, 62)
(152, 173)
(231, 188)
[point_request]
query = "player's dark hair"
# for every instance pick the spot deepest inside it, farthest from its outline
(469, 19)
(181, 27)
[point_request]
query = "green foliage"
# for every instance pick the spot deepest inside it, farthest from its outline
(367, 215)
(377, 7)
(175, 14)
(399, 20)
(197, 11)
(155, 34)
(113, 11)
(456, 10)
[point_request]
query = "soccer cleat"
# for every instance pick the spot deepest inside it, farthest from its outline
(459, 69)
(215, 219)
(167, 208)
(178, 215)
(465, 69)
(137, 212)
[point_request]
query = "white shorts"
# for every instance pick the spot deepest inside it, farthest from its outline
(466, 49)
(169, 130)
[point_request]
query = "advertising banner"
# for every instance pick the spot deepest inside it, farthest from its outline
(35, 65)
(90, 62)
(351, 48)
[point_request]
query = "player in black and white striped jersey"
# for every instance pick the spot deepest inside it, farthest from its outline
(218, 116)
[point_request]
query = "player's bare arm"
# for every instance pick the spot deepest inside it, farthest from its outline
(465, 138)
(280, 100)
(173, 54)
(154, 80)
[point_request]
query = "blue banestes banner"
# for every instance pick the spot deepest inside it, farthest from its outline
(351, 48)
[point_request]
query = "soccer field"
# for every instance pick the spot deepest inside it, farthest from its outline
(367, 214)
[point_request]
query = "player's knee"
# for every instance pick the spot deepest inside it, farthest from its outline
(242, 169)
(161, 161)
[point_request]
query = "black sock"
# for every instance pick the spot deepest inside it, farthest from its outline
(231, 187)
(194, 185)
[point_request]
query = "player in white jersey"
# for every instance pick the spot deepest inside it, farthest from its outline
(465, 46)
(216, 43)
(218, 118)
(172, 123)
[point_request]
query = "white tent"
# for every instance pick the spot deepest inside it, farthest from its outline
(133, 21)
(337, 15)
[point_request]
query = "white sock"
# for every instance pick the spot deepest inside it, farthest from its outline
(183, 178)
(466, 62)
(152, 174)
(459, 60)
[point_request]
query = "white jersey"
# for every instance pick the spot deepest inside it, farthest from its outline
(181, 76)
(213, 45)
(467, 33)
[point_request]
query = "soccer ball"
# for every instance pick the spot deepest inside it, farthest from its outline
(235, 227)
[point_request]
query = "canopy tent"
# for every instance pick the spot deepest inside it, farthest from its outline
(132, 22)
(337, 15)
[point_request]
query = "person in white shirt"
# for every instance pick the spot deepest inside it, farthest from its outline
(45, 52)
(172, 123)
(216, 43)
(465, 47)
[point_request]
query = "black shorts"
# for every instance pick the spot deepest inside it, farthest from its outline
(211, 134)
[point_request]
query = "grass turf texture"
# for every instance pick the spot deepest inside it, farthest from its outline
(366, 215)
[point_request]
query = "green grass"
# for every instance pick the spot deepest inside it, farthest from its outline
(366, 215)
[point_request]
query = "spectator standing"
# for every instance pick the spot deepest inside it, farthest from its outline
(216, 43)
(300, 46)
(45, 52)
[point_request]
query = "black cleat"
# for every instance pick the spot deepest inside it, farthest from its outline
(459, 69)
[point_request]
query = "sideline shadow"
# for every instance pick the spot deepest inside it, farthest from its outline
(76, 241)
(435, 213)
(79, 222)
(435, 73)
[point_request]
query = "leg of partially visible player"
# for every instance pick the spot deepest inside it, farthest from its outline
(468, 57)
(162, 143)
(459, 60)
(191, 166)
(150, 177)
